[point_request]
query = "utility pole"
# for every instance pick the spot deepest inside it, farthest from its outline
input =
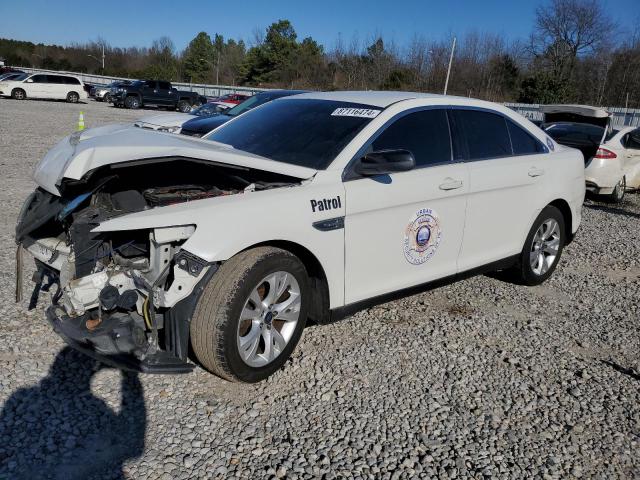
(103, 58)
(453, 48)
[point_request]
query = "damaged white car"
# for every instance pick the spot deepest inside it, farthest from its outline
(308, 207)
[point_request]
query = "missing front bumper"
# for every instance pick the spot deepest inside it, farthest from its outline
(113, 340)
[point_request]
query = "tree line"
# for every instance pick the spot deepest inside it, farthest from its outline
(574, 53)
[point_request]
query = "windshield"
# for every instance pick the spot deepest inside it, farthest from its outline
(14, 77)
(308, 133)
(205, 110)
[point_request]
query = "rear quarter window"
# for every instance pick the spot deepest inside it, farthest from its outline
(523, 142)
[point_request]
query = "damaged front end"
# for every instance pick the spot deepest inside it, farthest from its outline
(126, 297)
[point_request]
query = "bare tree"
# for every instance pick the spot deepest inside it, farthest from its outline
(567, 29)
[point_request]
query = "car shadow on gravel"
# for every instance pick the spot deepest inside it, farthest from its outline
(613, 210)
(59, 430)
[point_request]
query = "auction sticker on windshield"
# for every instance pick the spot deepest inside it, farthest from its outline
(355, 112)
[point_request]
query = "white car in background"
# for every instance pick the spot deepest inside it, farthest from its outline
(45, 86)
(309, 206)
(172, 122)
(611, 155)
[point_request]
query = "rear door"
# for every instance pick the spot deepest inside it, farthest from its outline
(57, 87)
(504, 188)
(405, 229)
(164, 94)
(149, 90)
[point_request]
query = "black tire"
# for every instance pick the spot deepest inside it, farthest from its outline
(523, 273)
(73, 97)
(214, 327)
(18, 94)
(132, 101)
(617, 196)
(184, 106)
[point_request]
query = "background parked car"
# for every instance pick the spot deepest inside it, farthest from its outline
(40, 85)
(198, 127)
(102, 93)
(172, 122)
(154, 93)
(611, 155)
(6, 77)
(229, 100)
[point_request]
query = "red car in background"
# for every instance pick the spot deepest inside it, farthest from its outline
(228, 100)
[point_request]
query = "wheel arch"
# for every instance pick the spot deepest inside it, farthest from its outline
(319, 308)
(565, 209)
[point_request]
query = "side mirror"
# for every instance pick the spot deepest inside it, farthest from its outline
(385, 161)
(29, 80)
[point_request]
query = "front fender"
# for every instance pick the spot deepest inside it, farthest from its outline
(226, 225)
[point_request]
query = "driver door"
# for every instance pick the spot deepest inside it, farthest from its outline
(405, 229)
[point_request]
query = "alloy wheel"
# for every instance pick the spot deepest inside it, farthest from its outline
(545, 246)
(268, 319)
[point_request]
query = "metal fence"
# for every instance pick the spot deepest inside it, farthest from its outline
(620, 116)
(201, 88)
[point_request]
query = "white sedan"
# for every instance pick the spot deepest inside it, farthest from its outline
(612, 155)
(309, 206)
(172, 122)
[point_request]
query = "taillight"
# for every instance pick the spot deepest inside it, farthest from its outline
(604, 153)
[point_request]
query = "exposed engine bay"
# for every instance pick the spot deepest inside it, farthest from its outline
(127, 292)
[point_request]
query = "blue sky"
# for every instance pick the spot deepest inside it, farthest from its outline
(140, 22)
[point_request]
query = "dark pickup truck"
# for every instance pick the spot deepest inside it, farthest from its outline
(156, 93)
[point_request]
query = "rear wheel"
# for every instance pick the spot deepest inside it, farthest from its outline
(184, 106)
(18, 94)
(73, 97)
(542, 248)
(132, 102)
(251, 315)
(618, 192)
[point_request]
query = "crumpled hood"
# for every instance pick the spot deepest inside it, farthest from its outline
(84, 151)
(167, 119)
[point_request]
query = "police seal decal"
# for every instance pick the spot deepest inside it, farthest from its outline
(422, 236)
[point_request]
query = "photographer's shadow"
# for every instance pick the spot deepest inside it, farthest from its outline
(59, 430)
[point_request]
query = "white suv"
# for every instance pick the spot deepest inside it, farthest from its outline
(310, 206)
(48, 86)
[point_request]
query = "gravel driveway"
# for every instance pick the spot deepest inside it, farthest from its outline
(475, 379)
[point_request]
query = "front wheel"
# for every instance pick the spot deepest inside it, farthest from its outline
(73, 97)
(542, 248)
(18, 94)
(618, 192)
(184, 106)
(132, 102)
(251, 315)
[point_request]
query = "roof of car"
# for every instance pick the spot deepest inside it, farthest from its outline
(373, 98)
(584, 110)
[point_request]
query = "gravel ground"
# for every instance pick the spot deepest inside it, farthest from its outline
(476, 379)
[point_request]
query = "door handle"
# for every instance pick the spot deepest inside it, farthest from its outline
(535, 172)
(450, 184)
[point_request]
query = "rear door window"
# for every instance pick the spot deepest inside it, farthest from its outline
(523, 142)
(425, 134)
(481, 135)
(71, 80)
(164, 86)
